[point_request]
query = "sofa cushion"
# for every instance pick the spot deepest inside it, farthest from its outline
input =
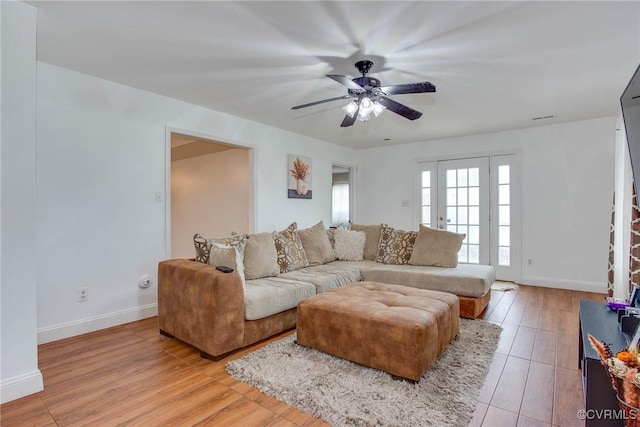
(395, 246)
(325, 277)
(436, 248)
(360, 265)
(373, 237)
(291, 255)
(466, 280)
(272, 295)
(316, 244)
(260, 256)
(349, 245)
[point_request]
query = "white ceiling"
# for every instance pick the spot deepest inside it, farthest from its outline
(496, 65)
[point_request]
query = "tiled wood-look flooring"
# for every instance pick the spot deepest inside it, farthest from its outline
(129, 375)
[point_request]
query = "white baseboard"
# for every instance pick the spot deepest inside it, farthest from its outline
(573, 285)
(21, 386)
(95, 323)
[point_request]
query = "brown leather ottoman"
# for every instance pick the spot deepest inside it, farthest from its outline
(397, 329)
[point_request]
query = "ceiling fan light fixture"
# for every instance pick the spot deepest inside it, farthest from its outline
(351, 108)
(366, 106)
(378, 108)
(363, 117)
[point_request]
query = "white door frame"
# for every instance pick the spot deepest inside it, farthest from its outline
(352, 188)
(516, 197)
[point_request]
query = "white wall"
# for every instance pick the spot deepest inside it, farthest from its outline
(567, 186)
(101, 159)
(19, 374)
(209, 196)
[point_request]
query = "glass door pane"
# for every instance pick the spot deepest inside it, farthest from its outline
(464, 205)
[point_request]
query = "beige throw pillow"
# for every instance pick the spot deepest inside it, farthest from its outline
(291, 255)
(260, 256)
(228, 252)
(436, 248)
(349, 245)
(395, 246)
(372, 238)
(316, 245)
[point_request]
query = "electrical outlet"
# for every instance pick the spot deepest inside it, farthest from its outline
(83, 294)
(529, 261)
(144, 282)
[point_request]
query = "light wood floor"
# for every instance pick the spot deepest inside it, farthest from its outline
(129, 375)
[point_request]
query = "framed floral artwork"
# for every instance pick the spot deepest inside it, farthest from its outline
(299, 173)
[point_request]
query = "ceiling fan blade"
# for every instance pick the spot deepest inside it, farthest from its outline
(398, 108)
(418, 87)
(321, 102)
(348, 120)
(346, 81)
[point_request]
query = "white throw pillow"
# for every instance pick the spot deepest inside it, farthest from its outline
(349, 245)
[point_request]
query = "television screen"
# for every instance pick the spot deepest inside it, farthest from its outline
(630, 101)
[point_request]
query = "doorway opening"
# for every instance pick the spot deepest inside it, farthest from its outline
(210, 191)
(342, 195)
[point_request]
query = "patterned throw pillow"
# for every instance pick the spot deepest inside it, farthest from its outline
(291, 255)
(395, 246)
(349, 245)
(203, 248)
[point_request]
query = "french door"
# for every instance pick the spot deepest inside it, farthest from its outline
(475, 197)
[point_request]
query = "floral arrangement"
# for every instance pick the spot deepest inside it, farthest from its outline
(623, 369)
(300, 170)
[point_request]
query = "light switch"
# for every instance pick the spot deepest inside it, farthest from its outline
(159, 196)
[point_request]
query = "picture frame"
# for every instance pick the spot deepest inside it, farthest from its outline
(299, 175)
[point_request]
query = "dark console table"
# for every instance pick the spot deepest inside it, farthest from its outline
(596, 319)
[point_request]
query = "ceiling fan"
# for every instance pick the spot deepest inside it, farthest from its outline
(371, 97)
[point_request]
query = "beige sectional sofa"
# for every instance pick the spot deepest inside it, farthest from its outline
(218, 312)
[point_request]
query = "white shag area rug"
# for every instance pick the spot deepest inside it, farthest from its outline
(344, 393)
(503, 286)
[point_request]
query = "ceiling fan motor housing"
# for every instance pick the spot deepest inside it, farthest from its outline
(367, 83)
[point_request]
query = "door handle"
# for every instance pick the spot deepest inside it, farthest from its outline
(441, 226)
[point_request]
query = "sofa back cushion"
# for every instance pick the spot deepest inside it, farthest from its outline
(436, 248)
(291, 255)
(260, 256)
(372, 233)
(395, 246)
(316, 244)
